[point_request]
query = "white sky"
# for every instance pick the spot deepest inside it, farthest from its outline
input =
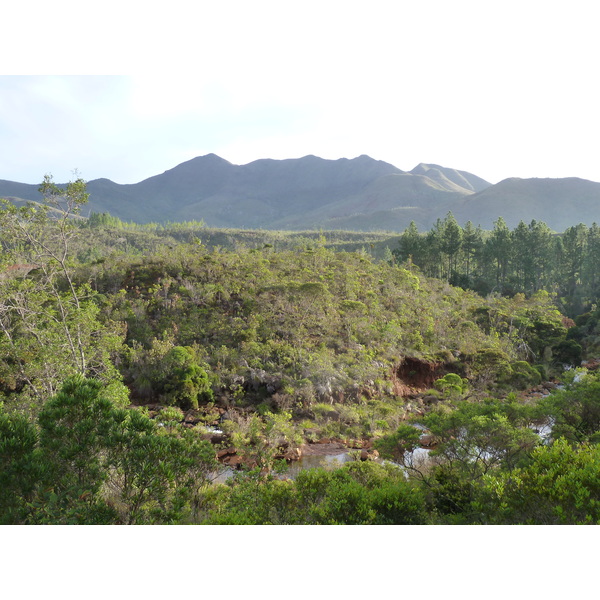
(126, 90)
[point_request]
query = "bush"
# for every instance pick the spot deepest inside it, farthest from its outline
(568, 352)
(559, 487)
(523, 375)
(187, 382)
(452, 384)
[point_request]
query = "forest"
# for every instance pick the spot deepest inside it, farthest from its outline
(172, 374)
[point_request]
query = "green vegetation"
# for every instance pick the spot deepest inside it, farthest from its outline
(121, 344)
(85, 460)
(525, 260)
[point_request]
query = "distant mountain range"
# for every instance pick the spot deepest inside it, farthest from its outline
(360, 194)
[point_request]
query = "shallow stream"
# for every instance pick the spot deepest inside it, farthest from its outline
(336, 457)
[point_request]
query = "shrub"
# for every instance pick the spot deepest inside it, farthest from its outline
(523, 375)
(452, 384)
(187, 382)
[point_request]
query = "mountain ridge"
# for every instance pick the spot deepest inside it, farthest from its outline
(361, 194)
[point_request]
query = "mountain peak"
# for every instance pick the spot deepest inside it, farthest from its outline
(208, 158)
(452, 177)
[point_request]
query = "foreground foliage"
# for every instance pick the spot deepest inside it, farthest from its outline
(86, 460)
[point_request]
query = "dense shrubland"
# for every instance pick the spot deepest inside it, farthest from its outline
(120, 343)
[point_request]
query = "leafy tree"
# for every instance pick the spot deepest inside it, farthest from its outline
(452, 384)
(253, 502)
(568, 352)
(75, 425)
(522, 375)
(591, 260)
(95, 462)
(404, 440)
(433, 250)
(575, 410)
(187, 383)
(49, 322)
(570, 261)
(470, 440)
(172, 374)
(559, 487)
(355, 494)
(480, 436)
(260, 440)
(158, 476)
(96, 220)
(20, 468)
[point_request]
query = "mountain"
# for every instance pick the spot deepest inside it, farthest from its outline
(303, 193)
(560, 203)
(361, 194)
(451, 178)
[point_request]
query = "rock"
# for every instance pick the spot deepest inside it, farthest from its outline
(218, 438)
(226, 452)
(428, 441)
(368, 454)
(233, 461)
(430, 399)
(293, 454)
(192, 417)
(592, 364)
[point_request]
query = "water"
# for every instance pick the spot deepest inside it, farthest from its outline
(311, 461)
(325, 461)
(419, 458)
(543, 429)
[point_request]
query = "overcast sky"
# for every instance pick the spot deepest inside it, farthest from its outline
(499, 89)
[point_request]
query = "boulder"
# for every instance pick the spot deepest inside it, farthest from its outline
(368, 454)
(226, 452)
(427, 441)
(233, 461)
